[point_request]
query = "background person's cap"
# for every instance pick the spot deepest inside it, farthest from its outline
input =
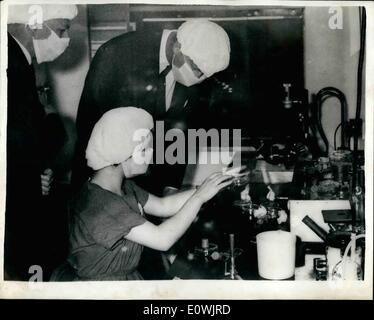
(27, 14)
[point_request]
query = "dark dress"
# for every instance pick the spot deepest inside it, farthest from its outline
(99, 221)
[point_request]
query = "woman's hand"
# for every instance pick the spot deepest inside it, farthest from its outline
(164, 235)
(212, 185)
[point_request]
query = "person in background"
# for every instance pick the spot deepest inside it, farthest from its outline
(30, 38)
(163, 71)
(108, 228)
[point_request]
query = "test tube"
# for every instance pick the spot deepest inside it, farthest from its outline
(232, 258)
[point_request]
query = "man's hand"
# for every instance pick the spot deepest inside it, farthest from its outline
(46, 180)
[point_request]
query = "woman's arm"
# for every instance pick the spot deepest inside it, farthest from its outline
(169, 205)
(163, 236)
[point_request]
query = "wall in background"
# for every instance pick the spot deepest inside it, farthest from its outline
(331, 58)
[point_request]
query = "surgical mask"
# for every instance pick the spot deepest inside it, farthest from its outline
(50, 48)
(185, 75)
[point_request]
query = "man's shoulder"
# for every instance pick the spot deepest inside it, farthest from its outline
(127, 42)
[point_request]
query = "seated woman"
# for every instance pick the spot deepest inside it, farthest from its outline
(108, 228)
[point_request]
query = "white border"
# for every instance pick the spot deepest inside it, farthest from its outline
(199, 289)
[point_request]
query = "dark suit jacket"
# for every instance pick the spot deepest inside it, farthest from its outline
(125, 72)
(24, 125)
(24, 155)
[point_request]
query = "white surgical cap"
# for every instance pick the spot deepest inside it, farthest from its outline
(206, 43)
(112, 140)
(38, 13)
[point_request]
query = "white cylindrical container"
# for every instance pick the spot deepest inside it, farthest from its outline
(334, 256)
(276, 251)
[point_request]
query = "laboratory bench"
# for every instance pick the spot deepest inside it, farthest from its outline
(218, 220)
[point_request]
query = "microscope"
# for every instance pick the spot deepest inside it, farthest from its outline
(344, 247)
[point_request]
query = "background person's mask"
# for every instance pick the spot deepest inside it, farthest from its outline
(185, 75)
(50, 48)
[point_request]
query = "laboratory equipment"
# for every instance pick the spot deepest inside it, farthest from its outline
(229, 258)
(276, 253)
(340, 239)
(206, 251)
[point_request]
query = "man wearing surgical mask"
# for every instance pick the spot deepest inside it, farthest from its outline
(162, 71)
(197, 50)
(36, 34)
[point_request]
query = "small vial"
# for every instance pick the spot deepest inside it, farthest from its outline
(204, 243)
(205, 246)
